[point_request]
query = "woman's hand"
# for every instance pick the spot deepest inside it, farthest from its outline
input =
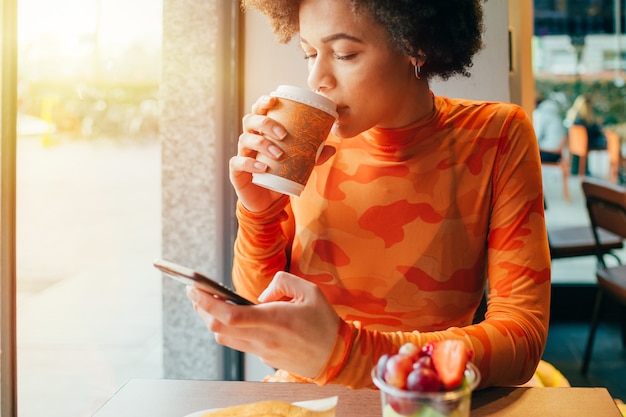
(258, 133)
(293, 329)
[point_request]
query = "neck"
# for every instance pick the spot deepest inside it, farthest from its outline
(417, 105)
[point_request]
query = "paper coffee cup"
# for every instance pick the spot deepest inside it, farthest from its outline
(308, 118)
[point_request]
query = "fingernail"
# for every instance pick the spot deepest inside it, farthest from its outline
(275, 150)
(260, 166)
(192, 293)
(279, 131)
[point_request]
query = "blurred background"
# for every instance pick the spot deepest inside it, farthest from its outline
(88, 201)
(579, 48)
(90, 68)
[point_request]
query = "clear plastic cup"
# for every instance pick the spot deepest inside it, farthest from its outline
(401, 403)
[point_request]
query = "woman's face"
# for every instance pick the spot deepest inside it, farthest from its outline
(352, 62)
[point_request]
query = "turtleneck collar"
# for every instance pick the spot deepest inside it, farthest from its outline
(393, 140)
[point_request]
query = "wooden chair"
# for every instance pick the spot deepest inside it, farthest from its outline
(606, 205)
(578, 145)
(575, 241)
(614, 148)
(579, 240)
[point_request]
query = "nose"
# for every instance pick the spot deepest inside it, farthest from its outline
(320, 75)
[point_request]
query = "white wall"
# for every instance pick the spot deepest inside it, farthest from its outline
(490, 73)
(268, 64)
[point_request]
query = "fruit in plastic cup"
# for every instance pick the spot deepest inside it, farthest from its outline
(308, 118)
(402, 403)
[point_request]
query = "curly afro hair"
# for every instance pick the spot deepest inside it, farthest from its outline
(448, 33)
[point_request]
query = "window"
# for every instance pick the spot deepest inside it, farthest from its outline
(575, 17)
(8, 83)
(579, 48)
(88, 202)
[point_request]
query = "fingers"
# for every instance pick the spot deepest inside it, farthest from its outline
(280, 333)
(261, 132)
(230, 324)
(263, 125)
(261, 135)
(257, 149)
(264, 104)
(286, 286)
(252, 196)
(240, 165)
(219, 309)
(258, 124)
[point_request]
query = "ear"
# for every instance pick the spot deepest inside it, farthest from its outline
(417, 61)
(420, 58)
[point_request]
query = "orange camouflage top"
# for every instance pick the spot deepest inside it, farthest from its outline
(403, 229)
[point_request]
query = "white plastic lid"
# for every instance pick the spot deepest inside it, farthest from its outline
(278, 184)
(309, 97)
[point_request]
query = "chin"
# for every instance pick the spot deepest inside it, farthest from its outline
(343, 130)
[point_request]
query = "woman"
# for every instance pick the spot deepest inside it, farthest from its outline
(420, 203)
(549, 128)
(581, 113)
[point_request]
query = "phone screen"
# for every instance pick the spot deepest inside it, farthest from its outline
(191, 277)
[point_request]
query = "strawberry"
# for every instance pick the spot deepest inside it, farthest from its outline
(449, 359)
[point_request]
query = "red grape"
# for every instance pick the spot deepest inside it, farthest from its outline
(427, 349)
(424, 380)
(423, 362)
(436, 366)
(380, 366)
(397, 369)
(410, 350)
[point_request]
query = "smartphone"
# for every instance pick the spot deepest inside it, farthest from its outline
(190, 277)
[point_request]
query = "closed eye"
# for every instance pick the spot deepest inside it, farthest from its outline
(345, 57)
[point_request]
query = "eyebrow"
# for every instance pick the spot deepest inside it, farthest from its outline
(335, 37)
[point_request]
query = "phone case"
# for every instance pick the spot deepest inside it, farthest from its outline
(191, 277)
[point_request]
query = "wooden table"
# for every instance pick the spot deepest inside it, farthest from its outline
(178, 398)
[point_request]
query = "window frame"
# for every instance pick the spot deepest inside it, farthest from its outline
(8, 144)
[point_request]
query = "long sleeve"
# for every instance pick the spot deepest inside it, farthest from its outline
(403, 230)
(261, 247)
(509, 343)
